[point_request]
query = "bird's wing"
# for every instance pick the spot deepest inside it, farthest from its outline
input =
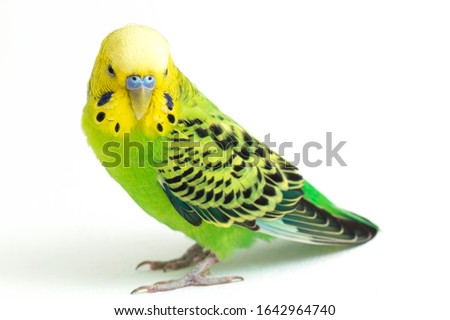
(217, 173)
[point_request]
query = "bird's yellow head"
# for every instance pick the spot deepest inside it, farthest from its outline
(133, 81)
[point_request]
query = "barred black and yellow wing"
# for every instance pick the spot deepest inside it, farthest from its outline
(217, 173)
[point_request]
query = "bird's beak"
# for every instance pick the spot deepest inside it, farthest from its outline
(140, 91)
(140, 100)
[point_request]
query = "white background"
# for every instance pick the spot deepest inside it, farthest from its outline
(376, 74)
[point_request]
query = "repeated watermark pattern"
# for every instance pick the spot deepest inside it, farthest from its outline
(127, 152)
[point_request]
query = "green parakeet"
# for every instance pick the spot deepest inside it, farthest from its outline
(192, 167)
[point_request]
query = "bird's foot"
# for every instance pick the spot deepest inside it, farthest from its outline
(193, 255)
(194, 278)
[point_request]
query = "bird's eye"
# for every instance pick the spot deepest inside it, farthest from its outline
(111, 71)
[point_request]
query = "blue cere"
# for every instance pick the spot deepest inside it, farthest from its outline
(149, 82)
(134, 82)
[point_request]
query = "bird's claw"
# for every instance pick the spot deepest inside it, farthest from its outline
(192, 256)
(148, 289)
(187, 281)
(197, 277)
(157, 265)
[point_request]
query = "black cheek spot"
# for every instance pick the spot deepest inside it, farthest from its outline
(171, 118)
(100, 116)
(169, 101)
(117, 127)
(104, 99)
(159, 127)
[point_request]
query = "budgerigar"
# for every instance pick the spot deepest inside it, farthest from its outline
(192, 167)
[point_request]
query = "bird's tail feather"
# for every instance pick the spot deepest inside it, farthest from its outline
(317, 220)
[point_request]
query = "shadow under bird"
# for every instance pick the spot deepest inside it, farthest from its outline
(207, 176)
